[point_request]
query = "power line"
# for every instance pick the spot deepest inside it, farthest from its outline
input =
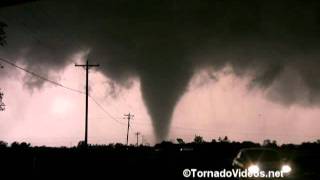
(101, 107)
(40, 77)
(56, 25)
(48, 80)
(108, 103)
(72, 89)
(106, 112)
(60, 85)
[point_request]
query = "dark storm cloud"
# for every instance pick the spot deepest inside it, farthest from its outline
(164, 42)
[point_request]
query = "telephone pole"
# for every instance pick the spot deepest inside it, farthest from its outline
(2, 105)
(129, 117)
(137, 134)
(86, 66)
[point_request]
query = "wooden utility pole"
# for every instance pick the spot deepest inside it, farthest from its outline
(86, 66)
(129, 117)
(2, 105)
(137, 134)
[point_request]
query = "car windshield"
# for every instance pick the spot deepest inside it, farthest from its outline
(262, 155)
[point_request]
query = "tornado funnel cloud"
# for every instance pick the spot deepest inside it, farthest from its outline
(163, 42)
(163, 82)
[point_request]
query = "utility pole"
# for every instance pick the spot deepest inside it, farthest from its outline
(129, 117)
(137, 134)
(86, 66)
(2, 105)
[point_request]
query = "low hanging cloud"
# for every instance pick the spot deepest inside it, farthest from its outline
(163, 43)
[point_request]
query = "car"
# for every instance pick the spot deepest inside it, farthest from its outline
(256, 160)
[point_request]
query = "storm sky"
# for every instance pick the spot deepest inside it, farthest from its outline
(247, 69)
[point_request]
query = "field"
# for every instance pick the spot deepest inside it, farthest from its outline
(162, 161)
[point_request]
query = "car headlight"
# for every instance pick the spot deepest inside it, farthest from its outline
(253, 169)
(286, 169)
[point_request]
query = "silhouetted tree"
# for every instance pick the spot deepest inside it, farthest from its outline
(118, 146)
(225, 139)
(25, 145)
(3, 144)
(165, 145)
(180, 141)
(198, 139)
(274, 142)
(17, 145)
(269, 143)
(81, 144)
(266, 142)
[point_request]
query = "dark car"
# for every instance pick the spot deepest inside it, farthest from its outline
(256, 160)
